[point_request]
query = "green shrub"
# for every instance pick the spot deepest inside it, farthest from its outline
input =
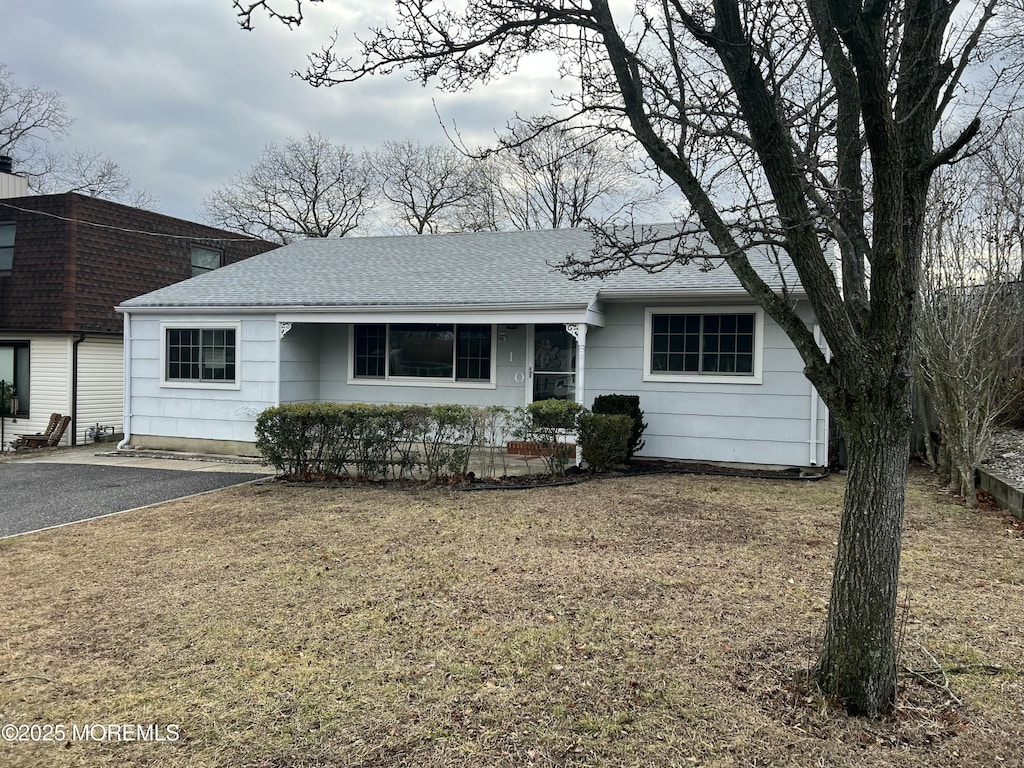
(604, 439)
(492, 427)
(447, 439)
(555, 414)
(627, 405)
(378, 436)
(305, 440)
(284, 438)
(545, 423)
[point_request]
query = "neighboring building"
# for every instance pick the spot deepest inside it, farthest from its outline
(476, 318)
(65, 262)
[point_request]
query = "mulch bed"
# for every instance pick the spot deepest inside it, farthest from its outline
(572, 476)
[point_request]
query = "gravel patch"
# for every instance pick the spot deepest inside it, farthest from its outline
(1007, 456)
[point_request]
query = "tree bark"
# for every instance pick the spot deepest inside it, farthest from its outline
(858, 658)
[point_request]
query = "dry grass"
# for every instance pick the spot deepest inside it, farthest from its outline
(654, 621)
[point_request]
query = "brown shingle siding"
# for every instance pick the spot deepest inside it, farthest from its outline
(69, 274)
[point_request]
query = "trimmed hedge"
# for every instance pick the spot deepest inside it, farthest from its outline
(604, 439)
(318, 440)
(303, 440)
(307, 440)
(627, 405)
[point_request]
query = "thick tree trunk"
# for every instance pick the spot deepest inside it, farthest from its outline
(858, 657)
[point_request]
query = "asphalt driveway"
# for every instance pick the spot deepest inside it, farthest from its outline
(36, 495)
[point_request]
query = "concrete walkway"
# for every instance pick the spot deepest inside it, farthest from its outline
(108, 456)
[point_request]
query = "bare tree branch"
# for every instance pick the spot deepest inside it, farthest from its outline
(308, 188)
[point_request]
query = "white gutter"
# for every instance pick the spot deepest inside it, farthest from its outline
(640, 294)
(316, 309)
(127, 382)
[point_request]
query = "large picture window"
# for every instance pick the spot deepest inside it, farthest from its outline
(201, 355)
(436, 351)
(702, 344)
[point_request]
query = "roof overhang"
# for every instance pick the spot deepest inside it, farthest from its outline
(502, 314)
(682, 295)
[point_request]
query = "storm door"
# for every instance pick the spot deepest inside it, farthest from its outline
(554, 363)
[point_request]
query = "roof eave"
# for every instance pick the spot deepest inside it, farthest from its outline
(640, 294)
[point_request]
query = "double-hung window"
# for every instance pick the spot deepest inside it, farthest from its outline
(721, 344)
(204, 356)
(438, 352)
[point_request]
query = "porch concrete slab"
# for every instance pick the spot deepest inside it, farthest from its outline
(141, 458)
(109, 457)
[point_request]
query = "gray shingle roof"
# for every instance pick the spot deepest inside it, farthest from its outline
(482, 269)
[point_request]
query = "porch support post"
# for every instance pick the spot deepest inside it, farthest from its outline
(579, 332)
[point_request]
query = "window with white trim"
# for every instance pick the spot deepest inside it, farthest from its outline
(200, 355)
(703, 344)
(431, 351)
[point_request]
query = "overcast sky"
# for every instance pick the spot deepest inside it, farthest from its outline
(183, 99)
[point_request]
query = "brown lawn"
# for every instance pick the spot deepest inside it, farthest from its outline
(653, 621)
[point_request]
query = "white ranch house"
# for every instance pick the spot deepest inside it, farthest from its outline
(475, 318)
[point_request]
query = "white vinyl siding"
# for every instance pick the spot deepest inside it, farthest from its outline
(710, 418)
(100, 384)
(49, 383)
(202, 411)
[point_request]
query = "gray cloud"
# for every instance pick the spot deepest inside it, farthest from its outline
(183, 99)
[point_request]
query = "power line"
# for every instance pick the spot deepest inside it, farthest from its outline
(127, 230)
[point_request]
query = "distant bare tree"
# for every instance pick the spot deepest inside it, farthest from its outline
(968, 335)
(564, 177)
(89, 173)
(430, 187)
(31, 120)
(1000, 183)
(310, 187)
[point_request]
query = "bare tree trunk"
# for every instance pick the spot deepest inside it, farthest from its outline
(858, 657)
(968, 487)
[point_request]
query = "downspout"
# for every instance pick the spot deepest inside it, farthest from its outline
(3, 417)
(74, 388)
(127, 386)
(813, 437)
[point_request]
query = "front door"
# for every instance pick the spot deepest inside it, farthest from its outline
(554, 363)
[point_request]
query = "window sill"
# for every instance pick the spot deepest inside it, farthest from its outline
(681, 378)
(231, 385)
(444, 383)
